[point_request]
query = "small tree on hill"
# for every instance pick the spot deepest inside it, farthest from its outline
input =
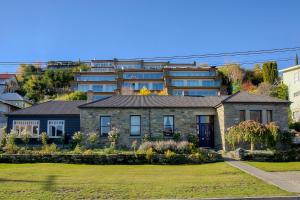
(270, 72)
(144, 91)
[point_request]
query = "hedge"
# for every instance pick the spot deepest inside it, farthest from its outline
(266, 156)
(105, 159)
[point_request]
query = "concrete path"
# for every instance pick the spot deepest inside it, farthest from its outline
(289, 181)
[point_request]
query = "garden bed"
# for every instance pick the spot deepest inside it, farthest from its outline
(111, 158)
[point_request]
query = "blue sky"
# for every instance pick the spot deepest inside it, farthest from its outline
(41, 30)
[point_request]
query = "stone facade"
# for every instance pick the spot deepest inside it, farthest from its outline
(151, 121)
(225, 116)
(229, 114)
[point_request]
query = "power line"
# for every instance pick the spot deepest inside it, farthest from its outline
(165, 58)
(226, 54)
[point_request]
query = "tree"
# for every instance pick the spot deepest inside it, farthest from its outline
(296, 60)
(248, 86)
(232, 74)
(163, 92)
(144, 91)
(35, 88)
(254, 133)
(77, 95)
(264, 89)
(280, 91)
(270, 72)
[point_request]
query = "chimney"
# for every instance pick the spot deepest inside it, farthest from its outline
(89, 95)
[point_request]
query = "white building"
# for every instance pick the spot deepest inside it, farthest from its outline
(291, 77)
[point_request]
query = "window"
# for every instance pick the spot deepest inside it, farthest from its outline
(97, 88)
(269, 116)
(168, 125)
(31, 126)
(242, 115)
(105, 125)
(255, 115)
(83, 87)
(135, 125)
(157, 86)
(56, 128)
(296, 77)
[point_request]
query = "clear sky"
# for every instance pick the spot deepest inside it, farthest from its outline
(42, 30)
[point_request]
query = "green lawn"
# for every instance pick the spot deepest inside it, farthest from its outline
(68, 181)
(277, 166)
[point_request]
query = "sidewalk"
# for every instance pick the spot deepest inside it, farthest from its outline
(282, 180)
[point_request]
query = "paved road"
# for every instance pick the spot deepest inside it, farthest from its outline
(289, 181)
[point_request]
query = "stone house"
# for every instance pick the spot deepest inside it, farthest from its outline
(158, 116)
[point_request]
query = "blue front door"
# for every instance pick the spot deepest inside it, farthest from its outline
(205, 128)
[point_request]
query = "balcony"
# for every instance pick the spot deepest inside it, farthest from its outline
(143, 75)
(191, 73)
(196, 83)
(96, 78)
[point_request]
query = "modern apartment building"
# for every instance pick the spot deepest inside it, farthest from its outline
(291, 77)
(109, 77)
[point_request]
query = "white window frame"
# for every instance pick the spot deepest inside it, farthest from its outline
(56, 123)
(24, 123)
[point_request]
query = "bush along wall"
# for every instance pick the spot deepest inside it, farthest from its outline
(266, 156)
(110, 158)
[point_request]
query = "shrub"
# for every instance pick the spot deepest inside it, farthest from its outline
(145, 146)
(149, 154)
(197, 157)
(184, 147)
(44, 137)
(285, 137)
(177, 136)
(93, 140)
(3, 140)
(52, 148)
(77, 138)
(113, 136)
(193, 138)
(88, 152)
(169, 154)
(296, 126)
(162, 146)
(25, 136)
(77, 149)
(11, 147)
(134, 145)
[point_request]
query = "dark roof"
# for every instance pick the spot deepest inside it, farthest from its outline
(245, 97)
(135, 101)
(10, 104)
(13, 96)
(6, 76)
(51, 108)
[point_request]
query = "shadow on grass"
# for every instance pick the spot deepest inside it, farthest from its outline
(48, 184)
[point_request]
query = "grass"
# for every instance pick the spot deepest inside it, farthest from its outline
(68, 181)
(277, 166)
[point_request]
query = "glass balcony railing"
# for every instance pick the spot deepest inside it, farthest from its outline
(96, 78)
(195, 93)
(192, 73)
(143, 75)
(195, 83)
(96, 88)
